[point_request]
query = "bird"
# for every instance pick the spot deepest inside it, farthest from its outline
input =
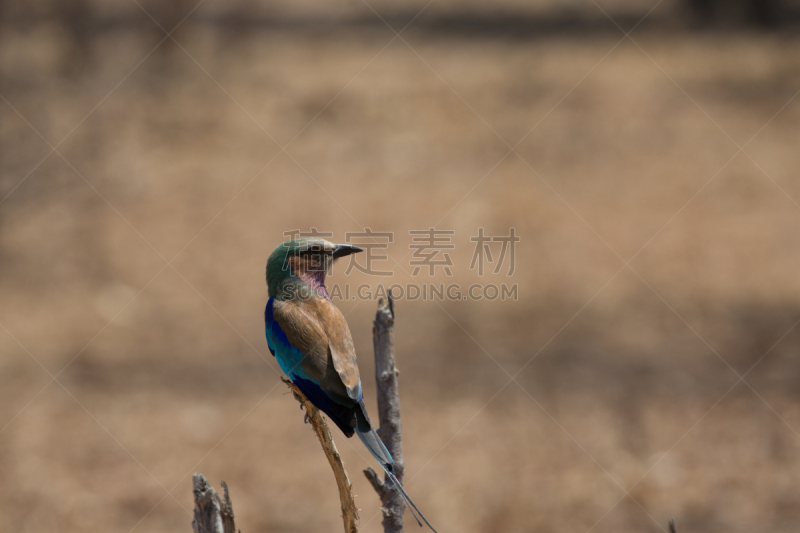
(311, 341)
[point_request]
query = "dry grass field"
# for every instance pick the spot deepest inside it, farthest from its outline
(649, 368)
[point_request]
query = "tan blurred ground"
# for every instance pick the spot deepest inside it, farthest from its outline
(633, 155)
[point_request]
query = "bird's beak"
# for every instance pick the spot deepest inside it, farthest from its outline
(345, 249)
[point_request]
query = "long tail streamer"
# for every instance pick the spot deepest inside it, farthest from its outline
(407, 500)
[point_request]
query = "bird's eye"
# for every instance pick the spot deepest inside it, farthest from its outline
(312, 250)
(314, 258)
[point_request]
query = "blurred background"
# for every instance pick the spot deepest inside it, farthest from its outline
(648, 369)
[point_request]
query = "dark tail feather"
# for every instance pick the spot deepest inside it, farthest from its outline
(407, 499)
(376, 447)
(368, 436)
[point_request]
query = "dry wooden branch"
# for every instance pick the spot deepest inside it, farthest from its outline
(349, 510)
(389, 416)
(212, 513)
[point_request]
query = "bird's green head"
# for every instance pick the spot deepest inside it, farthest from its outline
(300, 264)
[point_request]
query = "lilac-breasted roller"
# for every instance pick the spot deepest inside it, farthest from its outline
(311, 341)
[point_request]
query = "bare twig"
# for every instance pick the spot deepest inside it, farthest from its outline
(389, 416)
(349, 510)
(212, 513)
